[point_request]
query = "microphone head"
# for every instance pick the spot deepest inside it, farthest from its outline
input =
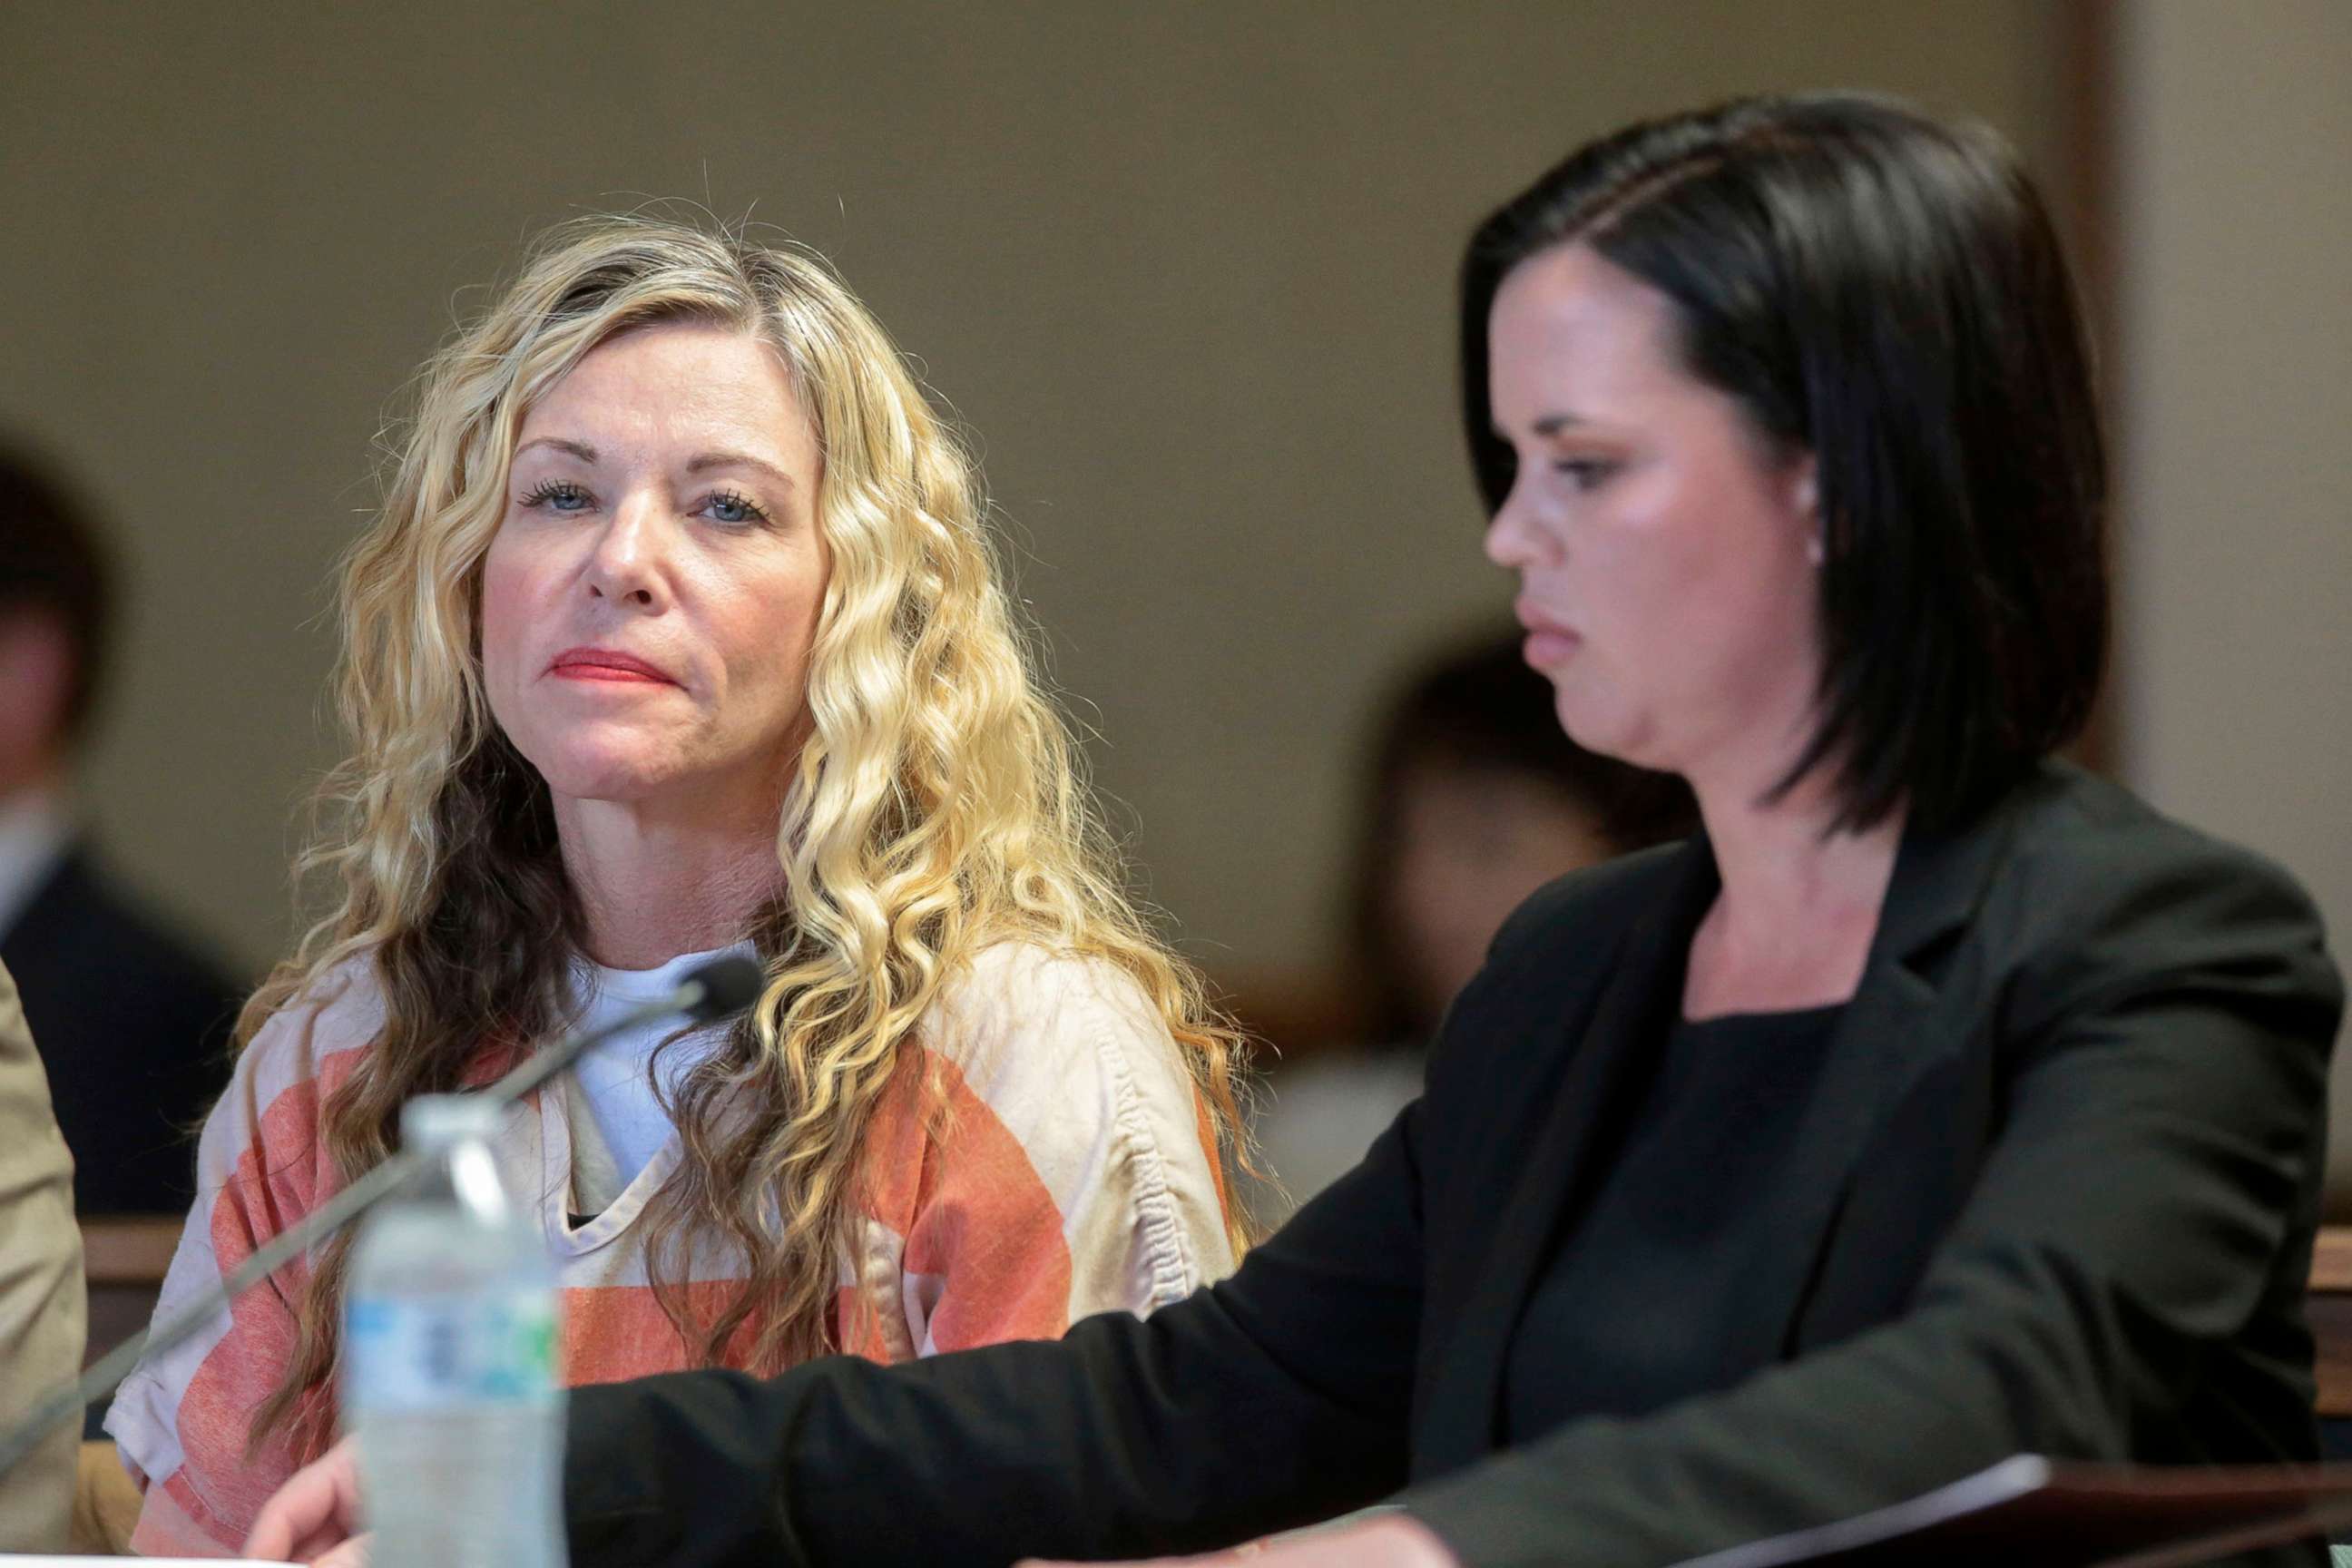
(728, 985)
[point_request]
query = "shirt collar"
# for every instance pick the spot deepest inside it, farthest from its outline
(35, 830)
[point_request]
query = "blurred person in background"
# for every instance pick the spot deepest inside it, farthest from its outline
(1475, 799)
(679, 633)
(133, 1020)
(40, 1288)
(1938, 1102)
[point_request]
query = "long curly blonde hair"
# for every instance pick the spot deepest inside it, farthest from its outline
(937, 807)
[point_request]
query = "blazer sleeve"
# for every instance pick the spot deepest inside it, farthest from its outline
(2165, 1110)
(1275, 1397)
(40, 1286)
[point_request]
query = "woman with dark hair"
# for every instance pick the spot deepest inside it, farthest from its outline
(1938, 1103)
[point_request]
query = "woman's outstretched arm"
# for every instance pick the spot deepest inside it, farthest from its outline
(1277, 1397)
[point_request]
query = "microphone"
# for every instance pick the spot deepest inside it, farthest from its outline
(709, 992)
(729, 985)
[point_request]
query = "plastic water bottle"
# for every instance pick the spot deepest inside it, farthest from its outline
(449, 1360)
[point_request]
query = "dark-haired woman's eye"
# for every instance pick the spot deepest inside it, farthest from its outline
(735, 507)
(1584, 473)
(556, 495)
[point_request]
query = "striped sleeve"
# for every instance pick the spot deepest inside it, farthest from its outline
(1065, 1169)
(182, 1417)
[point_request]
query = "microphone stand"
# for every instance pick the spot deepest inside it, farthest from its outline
(712, 992)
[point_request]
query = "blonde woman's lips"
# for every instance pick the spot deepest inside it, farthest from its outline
(606, 664)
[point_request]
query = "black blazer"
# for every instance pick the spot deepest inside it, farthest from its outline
(2061, 1180)
(132, 1025)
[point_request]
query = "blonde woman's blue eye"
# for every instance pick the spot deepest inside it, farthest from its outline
(557, 495)
(728, 506)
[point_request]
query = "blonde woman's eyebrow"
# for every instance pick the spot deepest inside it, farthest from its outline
(700, 463)
(580, 450)
(705, 461)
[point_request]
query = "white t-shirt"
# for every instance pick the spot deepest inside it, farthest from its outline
(617, 1122)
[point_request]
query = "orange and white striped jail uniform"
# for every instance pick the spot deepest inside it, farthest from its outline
(1071, 1172)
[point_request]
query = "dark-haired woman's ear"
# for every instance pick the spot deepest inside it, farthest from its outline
(1805, 497)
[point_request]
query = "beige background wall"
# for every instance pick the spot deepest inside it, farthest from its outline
(2236, 292)
(1186, 269)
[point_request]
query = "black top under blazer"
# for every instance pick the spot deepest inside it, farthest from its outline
(2060, 1182)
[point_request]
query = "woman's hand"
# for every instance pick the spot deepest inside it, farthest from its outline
(315, 1516)
(1395, 1542)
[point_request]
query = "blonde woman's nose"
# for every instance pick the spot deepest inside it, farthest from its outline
(626, 565)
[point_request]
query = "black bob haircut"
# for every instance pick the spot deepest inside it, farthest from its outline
(1885, 292)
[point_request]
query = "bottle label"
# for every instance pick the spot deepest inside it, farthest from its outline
(431, 1351)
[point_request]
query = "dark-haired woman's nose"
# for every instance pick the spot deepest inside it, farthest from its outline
(1515, 540)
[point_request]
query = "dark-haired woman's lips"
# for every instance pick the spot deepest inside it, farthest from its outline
(1547, 648)
(1549, 642)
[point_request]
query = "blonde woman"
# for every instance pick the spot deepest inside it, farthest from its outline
(679, 633)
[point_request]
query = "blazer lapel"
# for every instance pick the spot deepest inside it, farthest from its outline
(1887, 1035)
(1597, 1092)
(1893, 1030)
